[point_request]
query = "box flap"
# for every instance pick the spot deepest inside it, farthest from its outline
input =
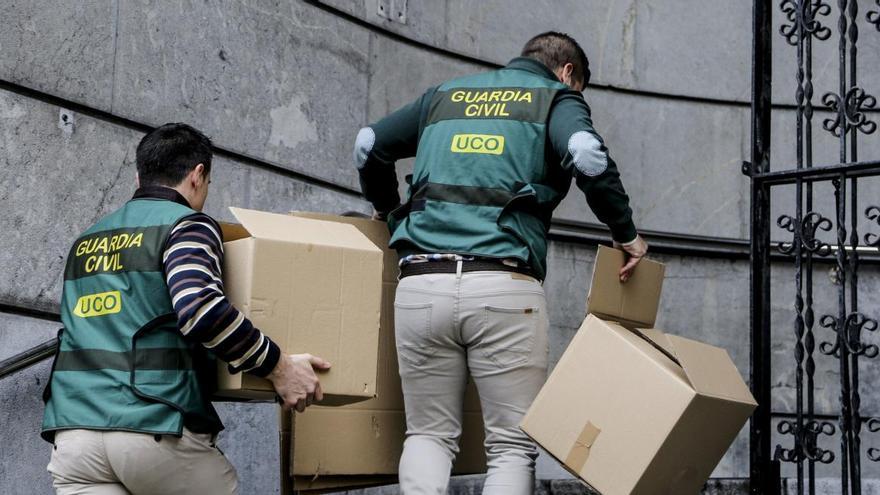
(633, 303)
(233, 231)
(375, 230)
(710, 370)
(658, 340)
(278, 227)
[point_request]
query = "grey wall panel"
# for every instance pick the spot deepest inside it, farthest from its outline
(277, 80)
(20, 333)
(400, 73)
(425, 21)
(64, 48)
(634, 44)
(631, 44)
(680, 163)
(24, 456)
(61, 182)
(235, 184)
(88, 173)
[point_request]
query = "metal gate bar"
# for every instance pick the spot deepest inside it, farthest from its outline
(802, 25)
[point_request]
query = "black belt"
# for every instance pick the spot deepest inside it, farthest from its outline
(450, 266)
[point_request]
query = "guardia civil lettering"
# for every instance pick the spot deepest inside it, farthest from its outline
(490, 103)
(103, 253)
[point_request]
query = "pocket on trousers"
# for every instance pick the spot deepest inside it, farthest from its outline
(198, 441)
(412, 323)
(509, 334)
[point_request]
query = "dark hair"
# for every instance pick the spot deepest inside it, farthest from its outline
(167, 154)
(555, 49)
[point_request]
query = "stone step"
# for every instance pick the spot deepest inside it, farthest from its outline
(472, 485)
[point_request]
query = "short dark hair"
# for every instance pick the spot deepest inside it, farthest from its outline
(167, 154)
(555, 49)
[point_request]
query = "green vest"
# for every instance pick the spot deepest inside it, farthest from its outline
(122, 363)
(480, 185)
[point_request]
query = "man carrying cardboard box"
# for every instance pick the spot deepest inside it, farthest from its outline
(495, 154)
(128, 402)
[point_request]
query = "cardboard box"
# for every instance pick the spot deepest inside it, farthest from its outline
(388, 393)
(312, 286)
(637, 411)
(337, 441)
(360, 444)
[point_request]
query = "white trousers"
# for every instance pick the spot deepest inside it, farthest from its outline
(91, 462)
(493, 324)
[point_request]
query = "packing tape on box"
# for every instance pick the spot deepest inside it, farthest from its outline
(580, 451)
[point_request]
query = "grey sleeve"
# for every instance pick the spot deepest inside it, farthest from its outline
(379, 145)
(581, 151)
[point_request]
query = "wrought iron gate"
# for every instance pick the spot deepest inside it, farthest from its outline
(802, 438)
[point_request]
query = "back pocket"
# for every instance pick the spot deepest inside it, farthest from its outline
(412, 332)
(509, 335)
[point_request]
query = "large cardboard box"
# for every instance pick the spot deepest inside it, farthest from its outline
(360, 444)
(630, 409)
(312, 286)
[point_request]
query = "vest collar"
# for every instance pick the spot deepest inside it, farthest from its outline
(160, 192)
(531, 65)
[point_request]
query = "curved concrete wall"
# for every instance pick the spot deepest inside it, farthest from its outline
(288, 83)
(680, 48)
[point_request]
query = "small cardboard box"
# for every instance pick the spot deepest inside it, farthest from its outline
(360, 444)
(311, 286)
(634, 411)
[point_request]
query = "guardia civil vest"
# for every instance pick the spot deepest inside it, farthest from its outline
(122, 363)
(480, 185)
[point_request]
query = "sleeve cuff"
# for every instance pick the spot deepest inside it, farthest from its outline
(272, 357)
(624, 234)
(630, 243)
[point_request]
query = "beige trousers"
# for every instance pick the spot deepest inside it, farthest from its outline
(91, 462)
(493, 324)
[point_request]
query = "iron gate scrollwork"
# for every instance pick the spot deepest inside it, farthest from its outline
(803, 438)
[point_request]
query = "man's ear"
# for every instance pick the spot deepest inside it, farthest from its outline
(199, 175)
(137, 179)
(568, 70)
(564, 73)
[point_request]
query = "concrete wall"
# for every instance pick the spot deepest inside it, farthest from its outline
(284, 85)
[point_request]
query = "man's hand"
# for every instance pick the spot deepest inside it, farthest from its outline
(295, 381)
(634, 252)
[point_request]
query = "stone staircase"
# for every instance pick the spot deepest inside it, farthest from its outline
(472, 485)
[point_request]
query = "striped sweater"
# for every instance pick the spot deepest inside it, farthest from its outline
(193, 262)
